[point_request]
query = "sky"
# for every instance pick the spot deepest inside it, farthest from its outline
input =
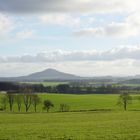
(82, 37)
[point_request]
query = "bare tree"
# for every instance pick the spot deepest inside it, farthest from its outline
(19, 99)
(11, 99)
(4, 101)
(64, 107)
(124, 100)
(35, 101)
(27, 98)
(47, 105)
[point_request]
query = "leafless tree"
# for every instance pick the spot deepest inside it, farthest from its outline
(124, 100)
(4, 101)
(35, 101)
(19, 100)
(64, 107)
(11, 99)
(27, 98)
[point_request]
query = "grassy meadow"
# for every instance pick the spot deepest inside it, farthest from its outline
(89, 101)
(46, 83)
(85, 102)
(91, 117)
(71, 126)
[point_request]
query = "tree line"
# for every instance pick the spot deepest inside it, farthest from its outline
(73, 88)
(27, 99)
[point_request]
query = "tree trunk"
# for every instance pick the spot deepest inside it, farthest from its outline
(11, 107)
(19, 108)
(35, 108)
(26, 108)
(125, 106)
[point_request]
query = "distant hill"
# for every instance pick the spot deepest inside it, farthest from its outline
(131, 81)
(52, 74)
(55, 75)
(48, 74)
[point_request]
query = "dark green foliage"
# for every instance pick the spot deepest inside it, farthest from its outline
(77, 87)
(64, 88)
(9, 86)
(47, 105)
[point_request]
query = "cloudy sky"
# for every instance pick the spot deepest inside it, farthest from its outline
(83, 37)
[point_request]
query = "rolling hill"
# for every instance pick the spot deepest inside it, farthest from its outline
(55, 75)
(48, 74)
(52, 74)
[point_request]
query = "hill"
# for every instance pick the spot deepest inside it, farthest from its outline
(48, 74)
(131, 81)
(55, 75)
(52, 74)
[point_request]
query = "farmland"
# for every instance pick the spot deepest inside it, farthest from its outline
(91, 117)
(46, 83)
(71, 126)
(89, 102)
(69, 70)
(84, 102)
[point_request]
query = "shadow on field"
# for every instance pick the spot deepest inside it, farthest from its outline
(135, 110)
(83, 110)
(92, 110)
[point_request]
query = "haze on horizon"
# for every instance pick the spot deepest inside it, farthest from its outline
(82, 37)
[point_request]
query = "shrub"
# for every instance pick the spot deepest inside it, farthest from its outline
(64, 107)
(47, 105)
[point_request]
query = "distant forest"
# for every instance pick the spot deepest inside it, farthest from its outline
(73, 88)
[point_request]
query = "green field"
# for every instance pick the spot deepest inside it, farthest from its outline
(46, 83)
(83, 102)
(92, 117)
(71, 126)
(89, 102)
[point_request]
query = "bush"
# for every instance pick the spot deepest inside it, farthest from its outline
(64, 107)
(47, 105)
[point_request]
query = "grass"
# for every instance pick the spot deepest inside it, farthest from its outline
(47, 83)
(112, 123)
(84, 102)
(71, 126)
(90, 101)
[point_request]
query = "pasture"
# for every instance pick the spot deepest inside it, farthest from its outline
(71, 126)
(85, 102)
(47, 83)
(91, 117)
(90, 101)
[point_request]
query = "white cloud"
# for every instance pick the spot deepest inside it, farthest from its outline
(119, 53)
(60, 19)
(83, 68)
(117, 61)
(6, 24)
(25, 34)
(130, 27)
